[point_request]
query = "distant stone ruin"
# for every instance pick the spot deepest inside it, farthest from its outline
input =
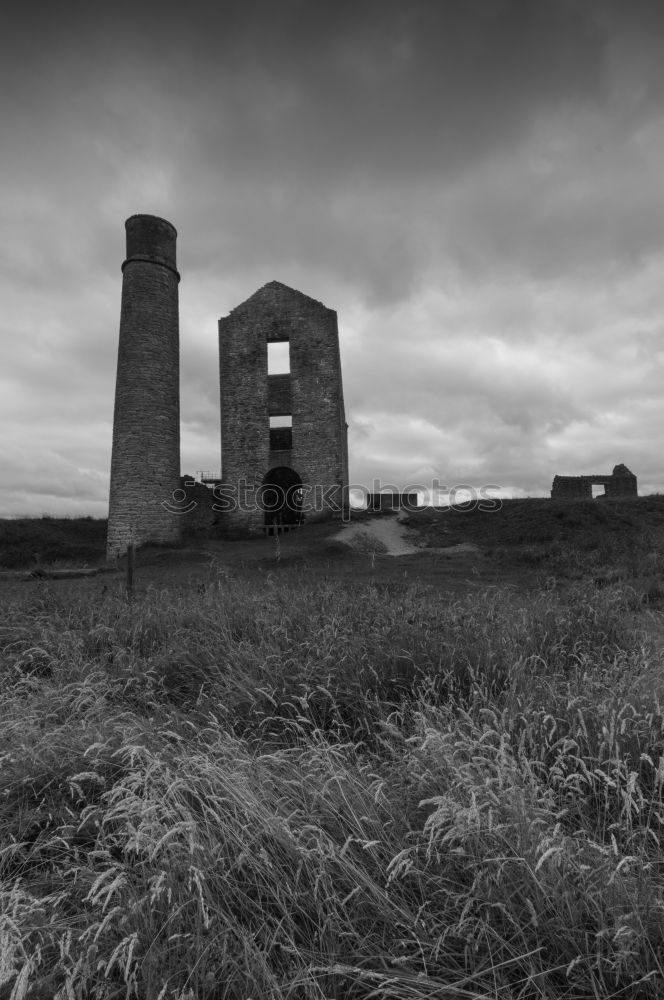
(621, 483)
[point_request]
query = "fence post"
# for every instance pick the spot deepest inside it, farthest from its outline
(131, 563)
(277, 529)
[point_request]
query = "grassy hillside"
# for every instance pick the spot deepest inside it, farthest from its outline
(607, 527)
(587, 524)
(27, 541)
(267, 786)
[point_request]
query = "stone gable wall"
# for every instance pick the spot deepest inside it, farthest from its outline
(319, 451)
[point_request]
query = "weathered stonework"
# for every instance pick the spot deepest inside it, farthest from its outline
(621, 483)
(312, 394)
(199, 519)
(145, 463)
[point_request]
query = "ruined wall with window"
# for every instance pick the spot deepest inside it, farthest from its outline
(621, 483)
(283, 423)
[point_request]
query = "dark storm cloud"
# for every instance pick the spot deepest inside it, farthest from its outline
(392, 88)
(378, 83)
(306, 127)
(340, 125)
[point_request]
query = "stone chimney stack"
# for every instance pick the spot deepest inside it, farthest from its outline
(145, 462)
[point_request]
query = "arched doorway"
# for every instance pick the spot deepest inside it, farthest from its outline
(281, 499)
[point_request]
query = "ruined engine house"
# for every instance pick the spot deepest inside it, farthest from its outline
(283, 423)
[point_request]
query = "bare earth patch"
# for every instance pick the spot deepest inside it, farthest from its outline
(391, 537)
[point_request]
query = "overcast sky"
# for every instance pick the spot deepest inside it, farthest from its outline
(476, 186)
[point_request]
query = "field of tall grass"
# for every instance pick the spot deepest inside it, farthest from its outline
(263, 789)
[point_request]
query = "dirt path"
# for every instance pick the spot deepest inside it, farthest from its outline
(386, 536)
(389, 536)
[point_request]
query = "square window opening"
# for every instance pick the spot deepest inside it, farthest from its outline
(278, 358)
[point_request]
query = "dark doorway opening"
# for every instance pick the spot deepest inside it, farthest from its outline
(281, 500)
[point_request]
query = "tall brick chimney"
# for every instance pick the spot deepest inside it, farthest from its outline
(145, 462)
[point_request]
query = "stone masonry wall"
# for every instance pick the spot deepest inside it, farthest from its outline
(279, 398)
(198, 517)
(319, 453)
(621, 483)
(145, 463)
